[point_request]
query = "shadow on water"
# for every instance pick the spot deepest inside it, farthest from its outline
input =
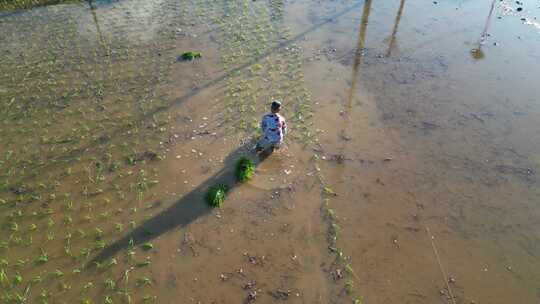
(105, 138)
(187, 209)
(391, 44)
(477, 52)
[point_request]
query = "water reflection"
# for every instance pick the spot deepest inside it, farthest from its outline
(135, 21)
(477, 52)
(359, 53)
(94, 16)
(391, 44)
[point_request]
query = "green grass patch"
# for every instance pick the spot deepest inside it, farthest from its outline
(245, 168)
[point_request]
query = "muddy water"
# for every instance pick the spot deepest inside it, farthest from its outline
(409, 174)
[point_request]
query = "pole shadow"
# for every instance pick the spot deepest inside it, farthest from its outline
(190, 207)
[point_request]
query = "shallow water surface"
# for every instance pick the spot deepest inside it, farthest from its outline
(410, 174)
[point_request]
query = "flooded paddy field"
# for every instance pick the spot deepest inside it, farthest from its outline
(410, 173)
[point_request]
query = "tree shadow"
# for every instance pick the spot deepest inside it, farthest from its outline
(187, 209)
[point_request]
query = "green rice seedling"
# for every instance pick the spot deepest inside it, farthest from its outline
(42, 258)
(107, 300)
(216, 195)
(81, 234)
(58, 273)
(98, 265)
(126, 297)
(99, 244)
(130, 254)
(143, 264)
(335, 229)
(17, 279)
(68, 220)
(149, 299)
(17, 298)
(29, 241)
(144, 281)
(84, 253)
(44, 295)
(329, 192)
(4, 281)
(88, 286)
(13, 227)
(349, 270)
(69, 206)
(349, 286)
(109, 284)
(21, 263)
(112, 262)
(64, 287)
(147, 246)
(245, 168)
(98, 232)
(340, 256)
(118, 227)
(36, 280)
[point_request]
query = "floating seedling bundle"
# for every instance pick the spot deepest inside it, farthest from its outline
(216, 195)
(188, 56)
(245, 168)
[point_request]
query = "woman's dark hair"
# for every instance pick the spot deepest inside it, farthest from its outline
(276, 105)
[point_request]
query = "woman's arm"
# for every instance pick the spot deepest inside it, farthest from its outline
(263, 124)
